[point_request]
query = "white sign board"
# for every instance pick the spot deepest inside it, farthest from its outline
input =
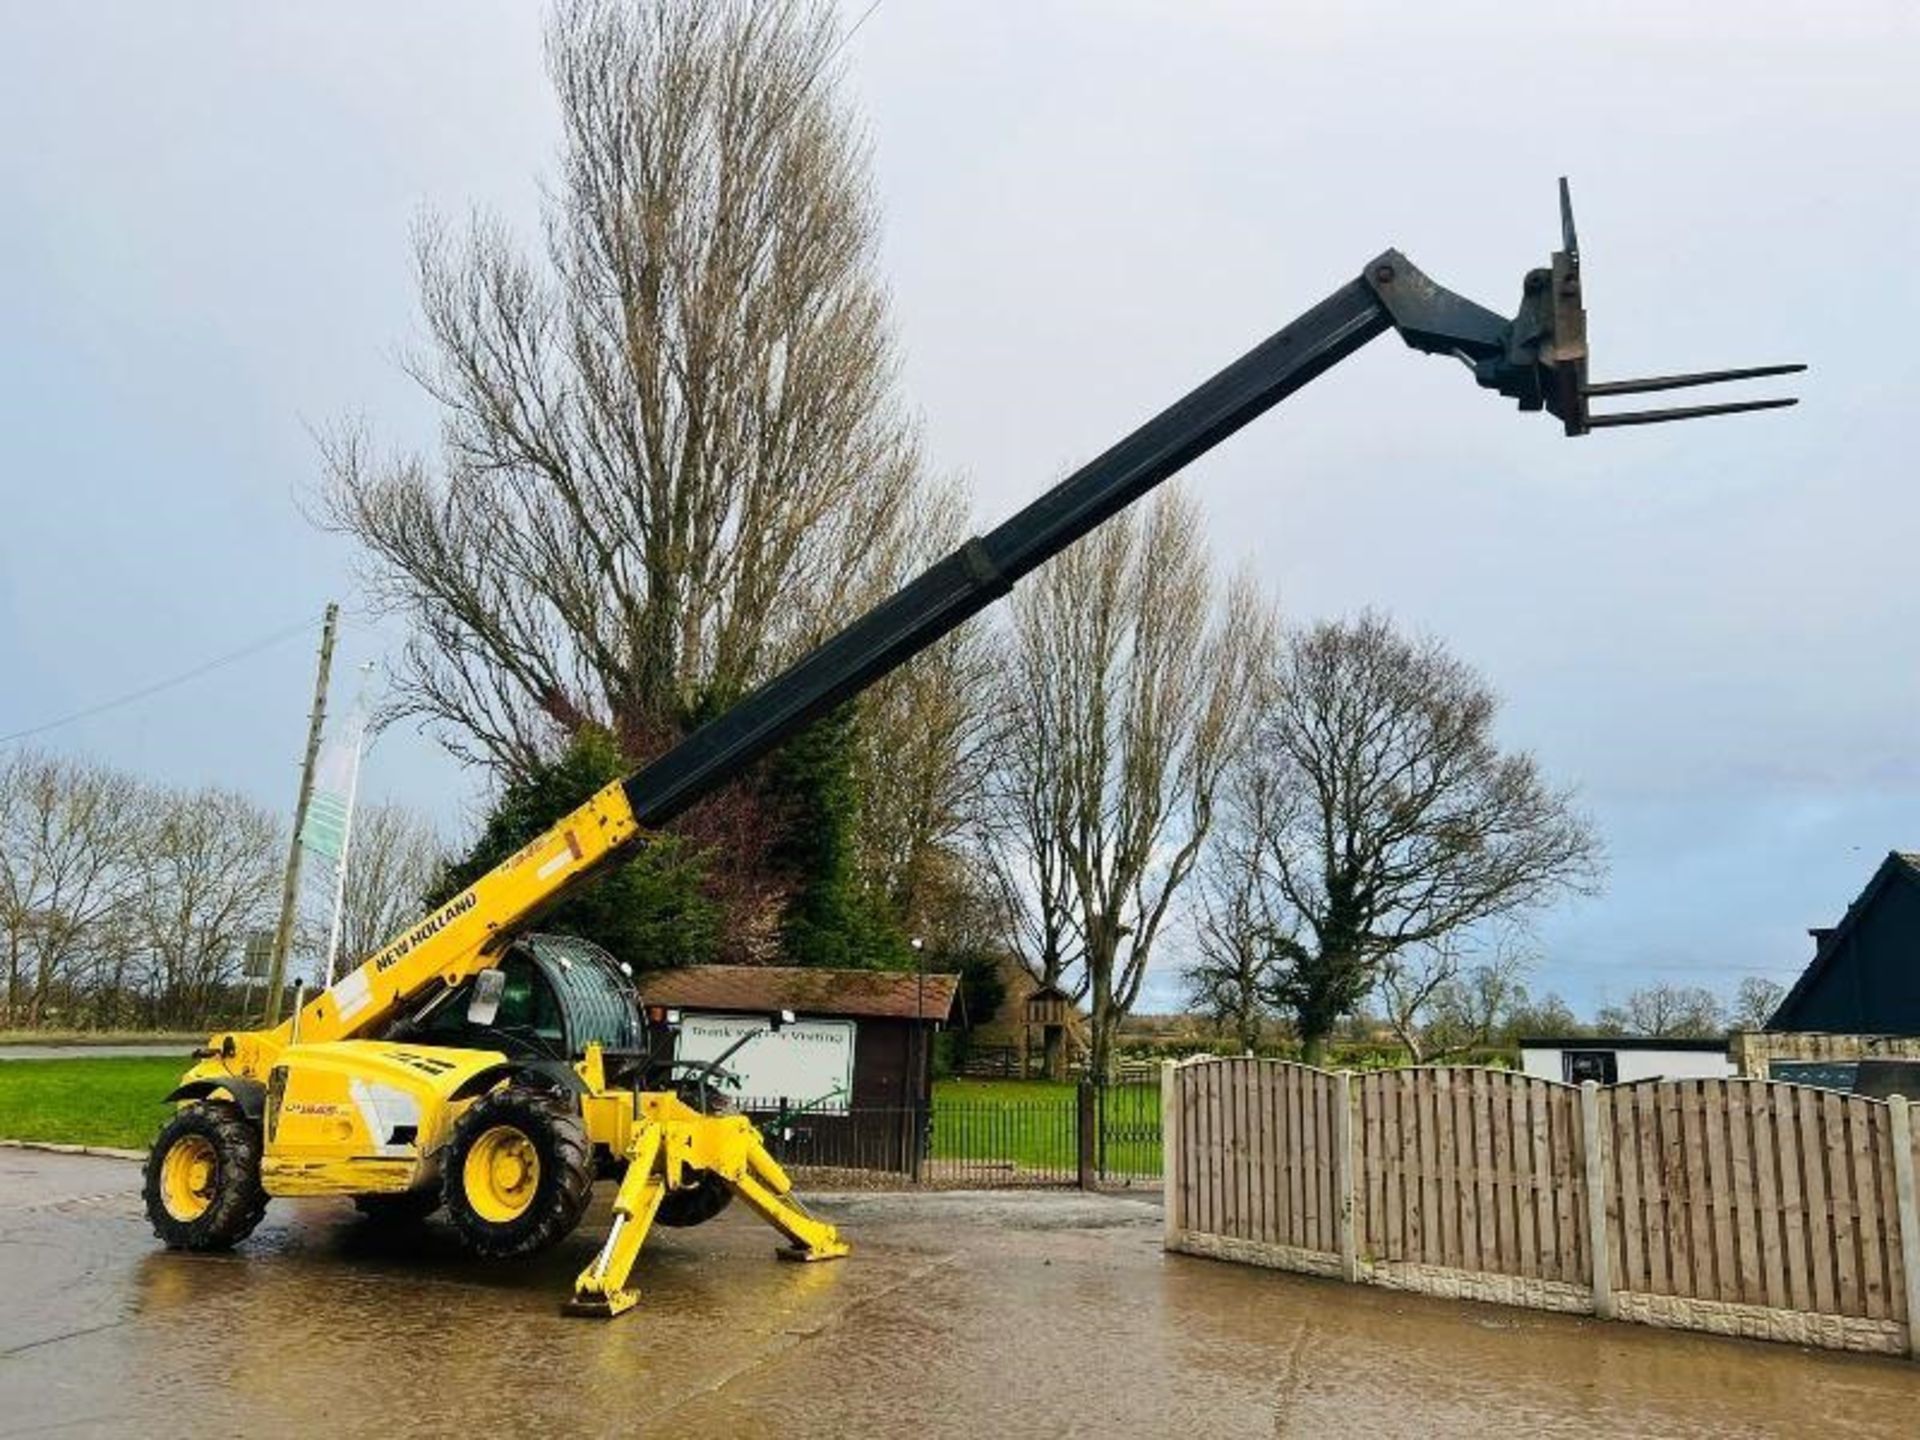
(808, 1064)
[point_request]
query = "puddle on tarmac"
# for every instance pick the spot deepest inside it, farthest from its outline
(955, 1317)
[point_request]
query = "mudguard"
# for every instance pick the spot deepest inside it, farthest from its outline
(547, 1074)
(249, 1095)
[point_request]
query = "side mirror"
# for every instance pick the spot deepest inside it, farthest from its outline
(484, 1003)
(785, 1017)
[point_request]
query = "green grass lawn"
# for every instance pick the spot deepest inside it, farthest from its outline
(1031, 1124)
(1001, 1092)
(1028, 1123)
(103, 1101)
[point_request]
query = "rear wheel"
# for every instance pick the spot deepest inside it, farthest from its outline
(518, 1173)
(707, 1194)
(203, 1178)
(698, 1203)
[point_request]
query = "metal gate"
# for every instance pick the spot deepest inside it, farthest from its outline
(1019, 1136)
(1128, 1128)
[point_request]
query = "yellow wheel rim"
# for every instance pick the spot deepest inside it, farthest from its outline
(501, 1174)
(188, 1176)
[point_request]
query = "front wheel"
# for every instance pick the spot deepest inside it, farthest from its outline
(518, 1173)
(203, 1178)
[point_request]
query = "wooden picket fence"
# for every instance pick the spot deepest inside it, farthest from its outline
(1743, 1207)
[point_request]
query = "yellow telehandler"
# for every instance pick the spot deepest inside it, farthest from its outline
(474, 1065)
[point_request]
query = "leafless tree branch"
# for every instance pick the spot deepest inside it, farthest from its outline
(671, 449)
(1383, 818)
(1124, 694)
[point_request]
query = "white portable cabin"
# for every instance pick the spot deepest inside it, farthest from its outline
(1621, 1059)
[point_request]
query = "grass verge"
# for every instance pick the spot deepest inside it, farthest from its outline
(112, 1101)
(116, 1101)
(185, 1039)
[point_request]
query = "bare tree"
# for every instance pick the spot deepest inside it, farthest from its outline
(1686, 1012)
(1549, 1015)
(1128, 693)
(1439, 1002)
(1754, 1001)
(109, 996)
(1023, 835)
(924, 737)
(209, 876)
(1384, 818)
(1409, 984)
(671, 448)
(1233, 935)
(68, 831)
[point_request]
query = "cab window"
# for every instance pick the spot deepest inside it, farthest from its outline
(529, 1013)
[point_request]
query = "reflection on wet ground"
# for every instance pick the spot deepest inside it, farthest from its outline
(1002, 1315)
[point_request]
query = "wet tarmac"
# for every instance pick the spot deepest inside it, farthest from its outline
(958, 1315)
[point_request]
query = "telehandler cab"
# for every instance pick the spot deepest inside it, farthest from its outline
(472, 1065)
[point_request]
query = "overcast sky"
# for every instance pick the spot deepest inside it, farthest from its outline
(1710, 629)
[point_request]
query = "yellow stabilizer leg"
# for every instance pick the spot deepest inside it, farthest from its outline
(669, 1142)
(767, 1191)
(601, 1290)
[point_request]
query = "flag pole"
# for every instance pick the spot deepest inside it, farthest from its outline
(346, 828)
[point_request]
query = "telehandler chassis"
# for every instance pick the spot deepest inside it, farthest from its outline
(511, 1155)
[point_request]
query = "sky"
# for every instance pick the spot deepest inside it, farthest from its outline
(1708, 629)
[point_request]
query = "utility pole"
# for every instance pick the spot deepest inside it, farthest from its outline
(290, 890)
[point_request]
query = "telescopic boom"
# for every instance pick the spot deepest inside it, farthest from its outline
(1538, 358)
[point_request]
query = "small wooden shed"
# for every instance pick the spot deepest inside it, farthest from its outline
(1049, 1019)
(853, 1076)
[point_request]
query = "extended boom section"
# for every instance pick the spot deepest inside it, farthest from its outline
(1538, 358)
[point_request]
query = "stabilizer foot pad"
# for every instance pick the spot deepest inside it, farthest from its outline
(600, 1307)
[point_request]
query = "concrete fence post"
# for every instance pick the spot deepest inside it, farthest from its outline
(1171, 1177)
(1597, 1246)
(1902, 1129)
(1343, 1172)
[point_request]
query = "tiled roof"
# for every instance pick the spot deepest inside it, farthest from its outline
(888, 994)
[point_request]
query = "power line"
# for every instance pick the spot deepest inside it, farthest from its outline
(806, 85)
(169, 683)
(854, 30)
(133, 695)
